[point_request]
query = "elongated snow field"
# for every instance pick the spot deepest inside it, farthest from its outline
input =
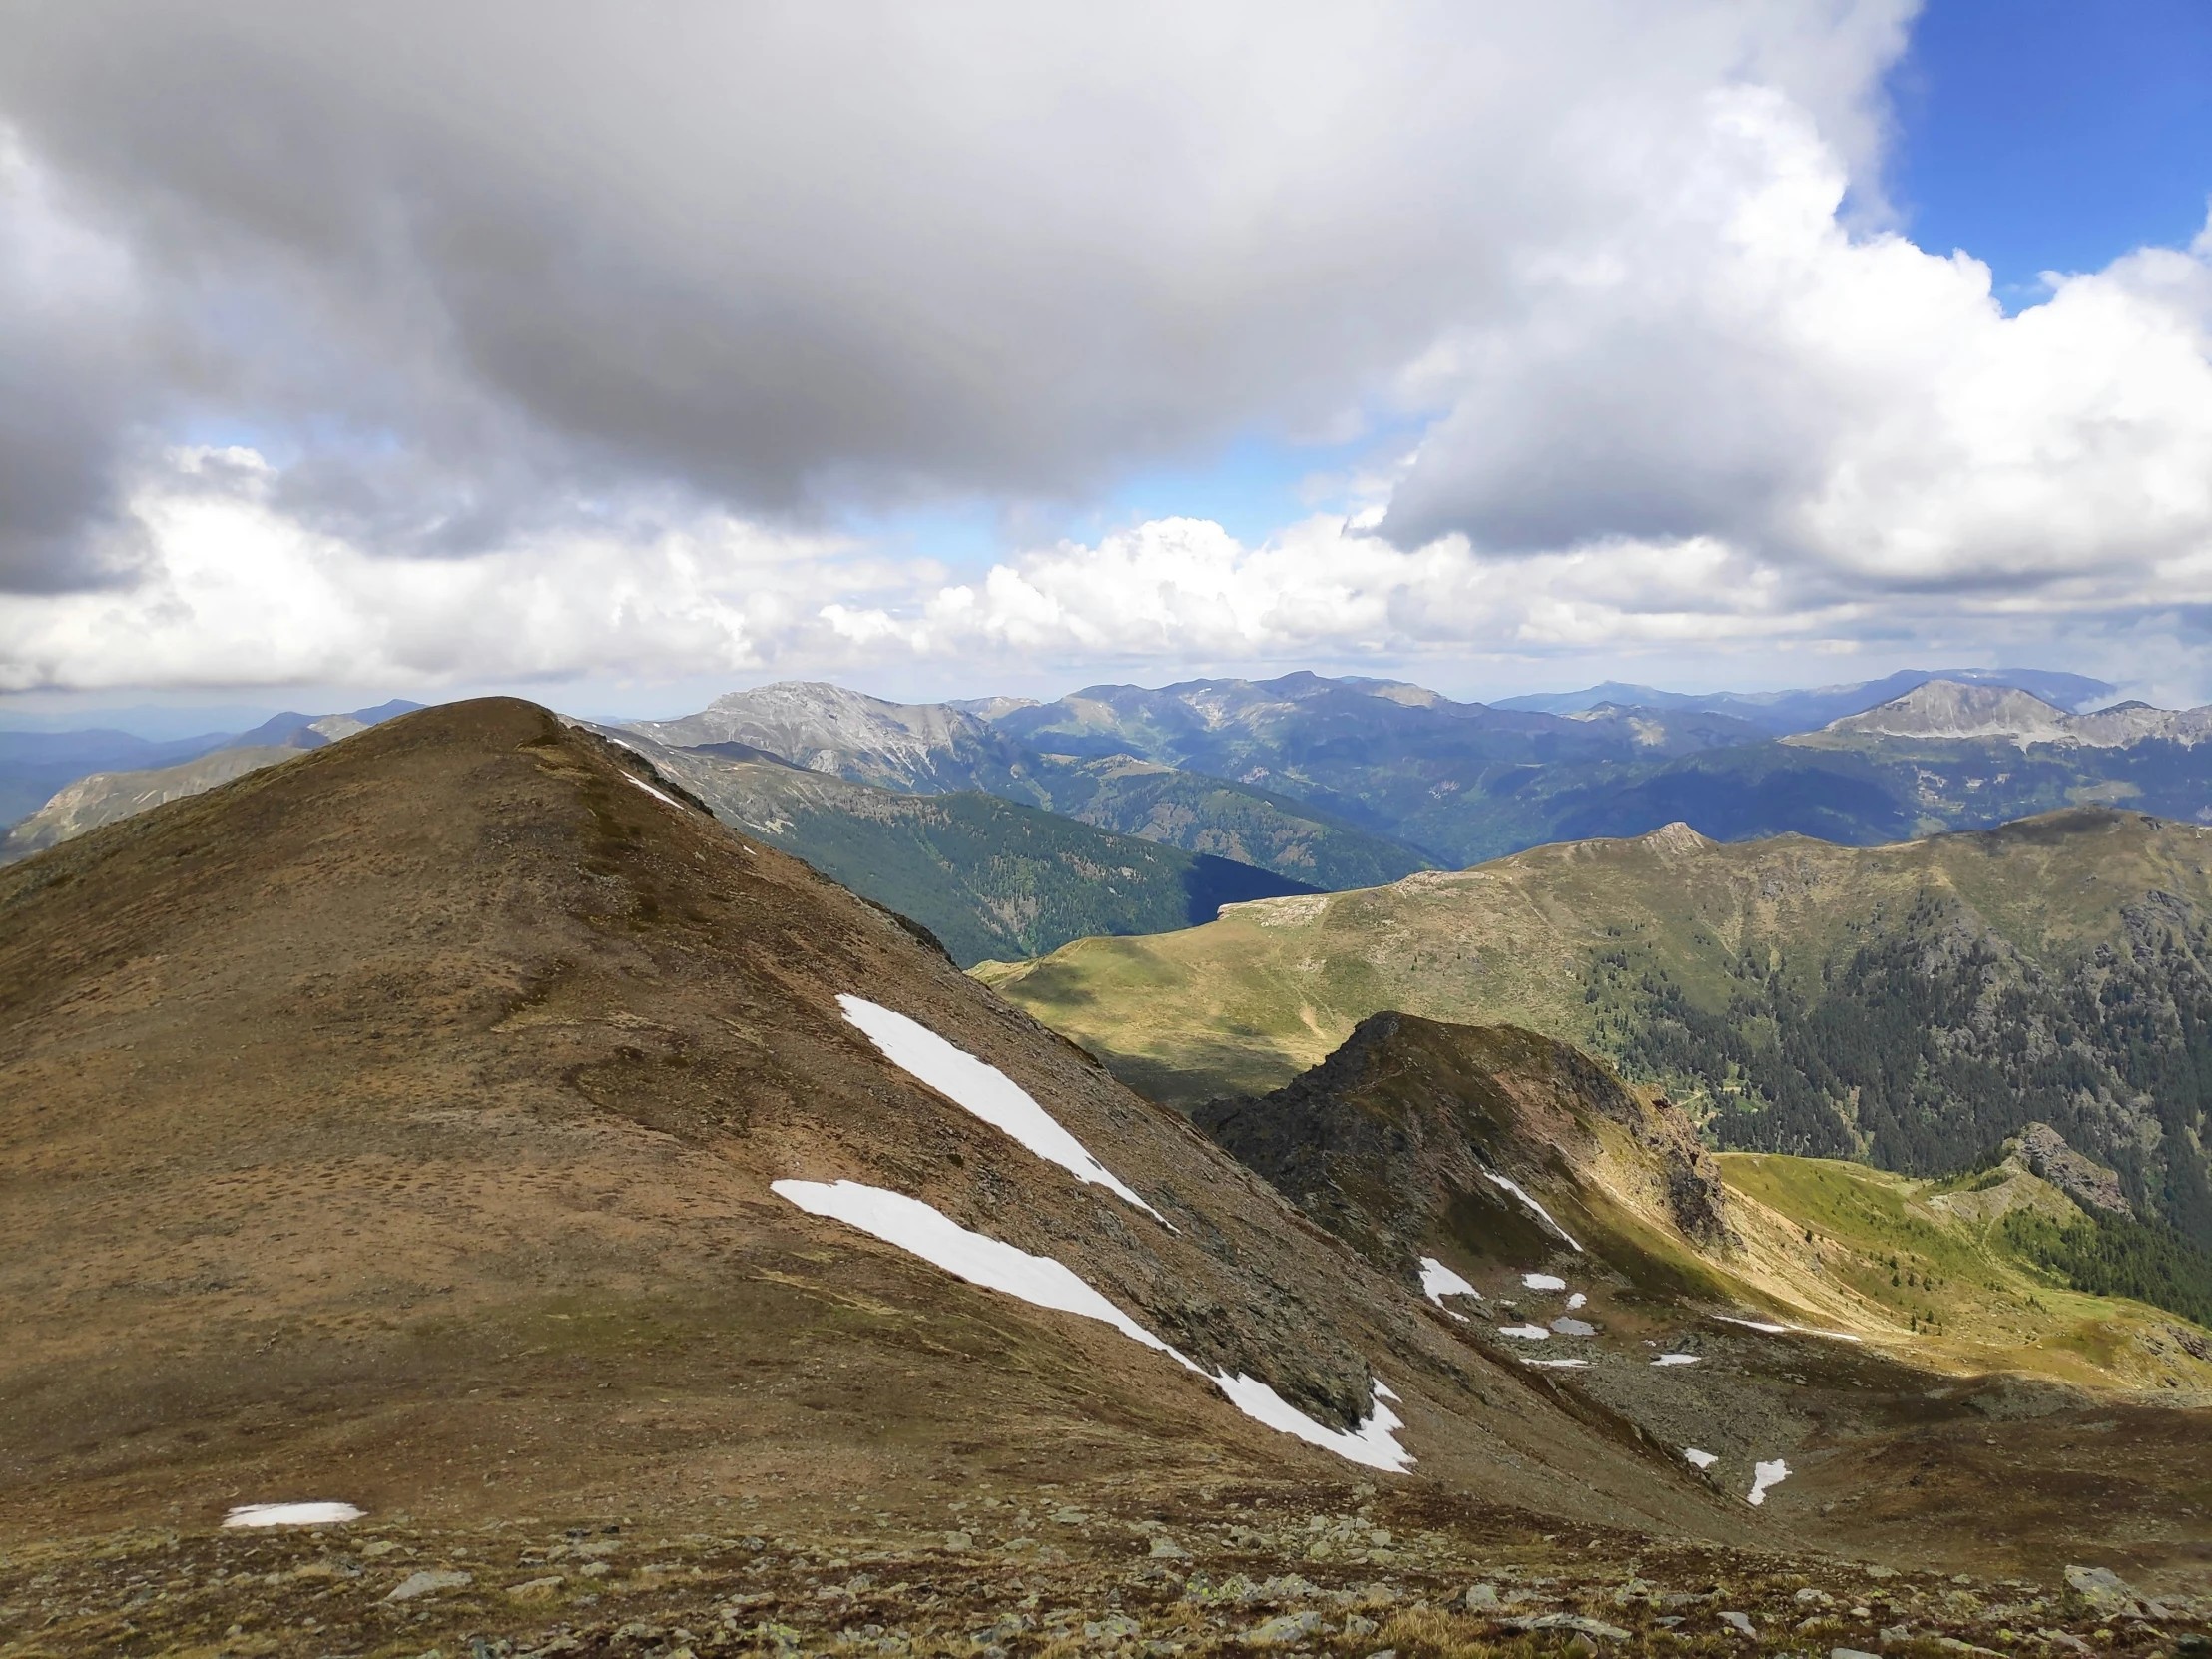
(923, 1230)
(983, 1090)
(657, 795)
(291, 1514)
(927, 1232)
(1774, 1330)
(1515, 1187)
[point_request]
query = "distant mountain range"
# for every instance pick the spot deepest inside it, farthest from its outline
(1782, 712)
(1428, 781)
(988, 878)
(1310, 783)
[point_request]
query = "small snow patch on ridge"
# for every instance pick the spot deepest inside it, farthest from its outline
(1700, 1460)
(1676, 1359)
(1515, 1188)
(924, 1231)
(1764, 1476)
(1544, 1281)
(291, 1514)
(654, 792)
(983, 1090)
(1527, 1333)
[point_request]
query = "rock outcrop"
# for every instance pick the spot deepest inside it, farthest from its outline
(2088, 1183)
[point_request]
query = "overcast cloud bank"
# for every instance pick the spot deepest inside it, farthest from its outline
(426, 345)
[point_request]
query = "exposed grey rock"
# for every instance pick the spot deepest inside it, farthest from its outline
(425, 1583)
(2081, 1179)
(2104, 1593)
(1284, 1627)
(1568, 1621)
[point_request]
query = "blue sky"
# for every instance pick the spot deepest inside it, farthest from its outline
(2054, 135)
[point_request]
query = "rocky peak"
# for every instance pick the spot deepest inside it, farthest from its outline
(1949, 709)
(2081, 1179)
(1395, 1141)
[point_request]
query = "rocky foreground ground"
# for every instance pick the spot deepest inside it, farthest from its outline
(1056, 1571)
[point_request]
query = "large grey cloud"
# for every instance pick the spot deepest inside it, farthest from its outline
(485, 268)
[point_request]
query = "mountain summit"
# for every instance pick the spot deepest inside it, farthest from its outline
(458, 1120)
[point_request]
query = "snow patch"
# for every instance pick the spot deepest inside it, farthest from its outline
(1677, 1360)
(1527, 1333)
(1575, 1301)
(1544, 1281)
(936, 1238)
(1764, 1476)
(654, 792)
(1701, 1460)
(291, 1514)
(1554, 1364)
(983, 1090)
(1515, 1188)
(1773, 1330)
(1374, 1443)
(1438, 1282)
(927, 1232)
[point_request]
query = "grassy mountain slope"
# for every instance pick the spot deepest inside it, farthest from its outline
(397, 1123)
(1890, 1319)
(1914, 1004)
(990, 879)
(1199, 814)
(1385, 1143)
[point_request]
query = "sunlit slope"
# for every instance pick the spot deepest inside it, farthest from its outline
(1929, 1269)
(1272, 988)
(1421, 1141)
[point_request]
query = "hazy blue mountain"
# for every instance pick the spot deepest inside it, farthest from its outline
(932, 749)
(75, 780)
(1286, 773)
(991, 878)
(33, 765)
(1781, 711)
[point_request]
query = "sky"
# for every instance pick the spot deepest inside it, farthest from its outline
(619, 356)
